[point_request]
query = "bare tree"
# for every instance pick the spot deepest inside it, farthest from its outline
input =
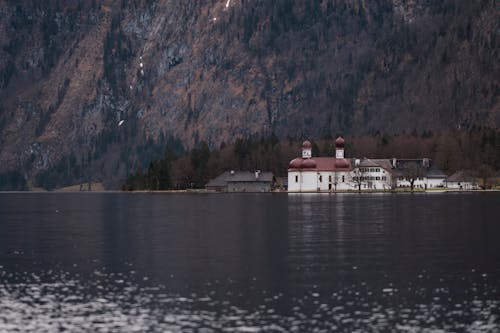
(484, 173)
(411, 172)
(358, 176)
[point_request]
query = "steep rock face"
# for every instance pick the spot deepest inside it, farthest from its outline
(218, 70)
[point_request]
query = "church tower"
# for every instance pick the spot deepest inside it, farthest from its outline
(306, 149)
(339, 147)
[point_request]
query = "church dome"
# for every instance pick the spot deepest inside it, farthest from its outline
(340, 142)
(341, 163)
(308, 164)
(295, 163)
(306, 144)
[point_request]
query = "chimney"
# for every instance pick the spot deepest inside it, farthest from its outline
(394, 161)
(257, 173)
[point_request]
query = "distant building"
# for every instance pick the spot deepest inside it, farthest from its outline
(373, 174)
(424, 173)
(329, 174)
(242, 181)
(462, 180)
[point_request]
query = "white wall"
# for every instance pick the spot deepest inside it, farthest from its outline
(424, 183)
(333, 181)
(463, 185)
(329, 181)
(310, 181)
(307, 181)
(436, 182)
(374, 178)
(293, 186)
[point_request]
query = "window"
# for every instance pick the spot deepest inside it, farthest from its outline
(330, 178)
(296, 179)
(343, 179)
(384, 178)
(320, 178)
(377, 169)
(377, 178)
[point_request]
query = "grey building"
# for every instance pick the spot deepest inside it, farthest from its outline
(242, 181)
(463, 180)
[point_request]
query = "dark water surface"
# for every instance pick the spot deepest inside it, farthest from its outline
(249, 262)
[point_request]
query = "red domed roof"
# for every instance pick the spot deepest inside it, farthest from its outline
(341, 163)
(306, 144)
(340, 142)
(308, 163)
(295, 163)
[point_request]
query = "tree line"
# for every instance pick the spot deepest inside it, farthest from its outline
(477, 150)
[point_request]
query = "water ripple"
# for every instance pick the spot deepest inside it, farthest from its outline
(56, 301)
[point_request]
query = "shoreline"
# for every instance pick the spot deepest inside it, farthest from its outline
(203, 191)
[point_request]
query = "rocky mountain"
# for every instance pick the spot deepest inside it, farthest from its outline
(94, 89)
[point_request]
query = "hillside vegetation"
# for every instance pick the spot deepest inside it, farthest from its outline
(477, 151)
(105, 86)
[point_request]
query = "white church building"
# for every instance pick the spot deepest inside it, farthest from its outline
(330, 174)
(321, 174)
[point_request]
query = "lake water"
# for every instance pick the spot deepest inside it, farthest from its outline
(249, 262)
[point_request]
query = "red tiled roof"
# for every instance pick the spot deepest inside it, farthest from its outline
(326, 164)
(295, 163)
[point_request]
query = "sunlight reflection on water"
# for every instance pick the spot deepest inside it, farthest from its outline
(110, 302)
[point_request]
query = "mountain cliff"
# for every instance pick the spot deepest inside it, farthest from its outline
(93, 89)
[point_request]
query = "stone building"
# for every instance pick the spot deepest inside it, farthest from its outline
(242, 181)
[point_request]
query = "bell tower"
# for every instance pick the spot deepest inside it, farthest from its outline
(339, 147)
(306, 149)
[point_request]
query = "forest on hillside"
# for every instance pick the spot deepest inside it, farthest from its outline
(180, 74)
